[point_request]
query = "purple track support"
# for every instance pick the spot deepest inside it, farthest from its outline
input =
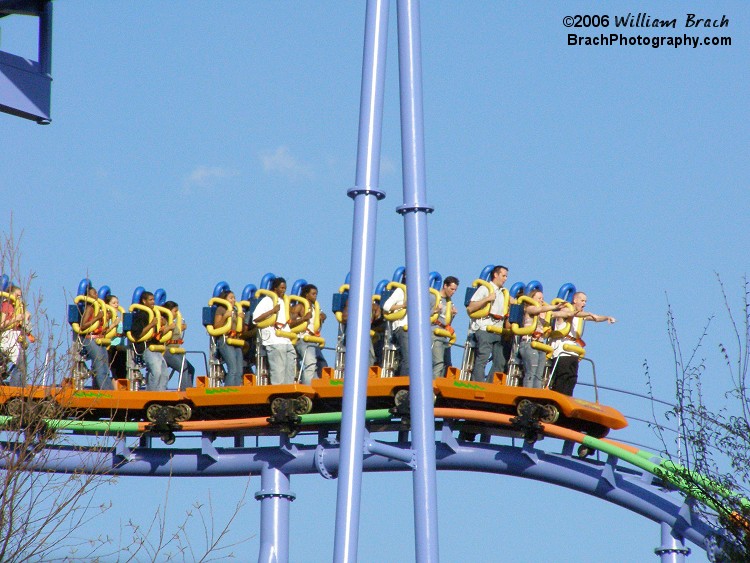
(275, 497)
(26, 85)
(632, 490)
(366, 195)
(415, 212)
(672, 549)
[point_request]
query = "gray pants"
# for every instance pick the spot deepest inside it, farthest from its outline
(310, 359)
(179, 363)
(441, 356)
(158, 372)
(282, 361)
(402, 340)
(489, 345)
(534, 362)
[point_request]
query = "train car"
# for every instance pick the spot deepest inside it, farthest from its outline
(543, 405)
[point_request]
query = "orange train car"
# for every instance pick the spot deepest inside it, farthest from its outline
(323, 395)
(550, 406)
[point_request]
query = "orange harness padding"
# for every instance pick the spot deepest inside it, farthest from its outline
(578, 341)
(447, 327)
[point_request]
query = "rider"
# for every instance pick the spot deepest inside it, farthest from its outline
(177, 361)
(158, 373)
(565, 373)
(13, 321)
(397, 302)
(117, 351)
(282, 357)
(97, 353)
(309, 357)
(490, 344)
(534, 361)
(232, 355)
(441, 349)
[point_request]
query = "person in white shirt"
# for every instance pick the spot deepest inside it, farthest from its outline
(490, 344)
(565, 374)
(282, 357)
(397, 302)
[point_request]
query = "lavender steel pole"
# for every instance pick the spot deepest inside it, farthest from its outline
(274, 498)
(366, 194)
(415, 212)
(672, 549)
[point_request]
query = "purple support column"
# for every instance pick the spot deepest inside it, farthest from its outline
(274, 498)
(366, 194)
(672, 549)
(45, 39)
(415, 210)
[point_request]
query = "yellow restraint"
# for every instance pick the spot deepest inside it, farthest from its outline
(526, 330)
(484, 311)
(401, 313)
(95, 303)
(222, 330)
(301, 327)
(564, 329)
(149, 334)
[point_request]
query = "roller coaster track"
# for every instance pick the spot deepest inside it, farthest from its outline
(634, 479)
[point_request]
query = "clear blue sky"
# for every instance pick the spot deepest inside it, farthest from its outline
(198, 142)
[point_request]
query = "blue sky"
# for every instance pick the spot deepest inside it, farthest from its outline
(194, 145)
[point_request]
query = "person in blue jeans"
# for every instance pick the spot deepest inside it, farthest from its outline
(158, 372)
(96, 353)
(231, 355)
(178, 362)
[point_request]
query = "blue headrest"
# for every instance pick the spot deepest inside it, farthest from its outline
(104, 292)
(249, 292)
(517, 289)
(83, 286)
(567, 291)
(486, 272)
(160, 296)
(297, 286)
(4, 282)
(220, 287)
(398, 274)
(534, 285)
(380, 287)
(137, 293)
(435, 280)
(348, 278)
(265, 281)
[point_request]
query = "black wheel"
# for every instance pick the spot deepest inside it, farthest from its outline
(152, 412)
(401, 399)
(303, 405)
(47, 408)
(168, 438)
(183, 412)
(523, 405)
(584, 451)
(277, 405)
(14, 407)
(550, 414)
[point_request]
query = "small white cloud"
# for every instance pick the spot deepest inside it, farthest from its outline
(282, 162)
(206, 176)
